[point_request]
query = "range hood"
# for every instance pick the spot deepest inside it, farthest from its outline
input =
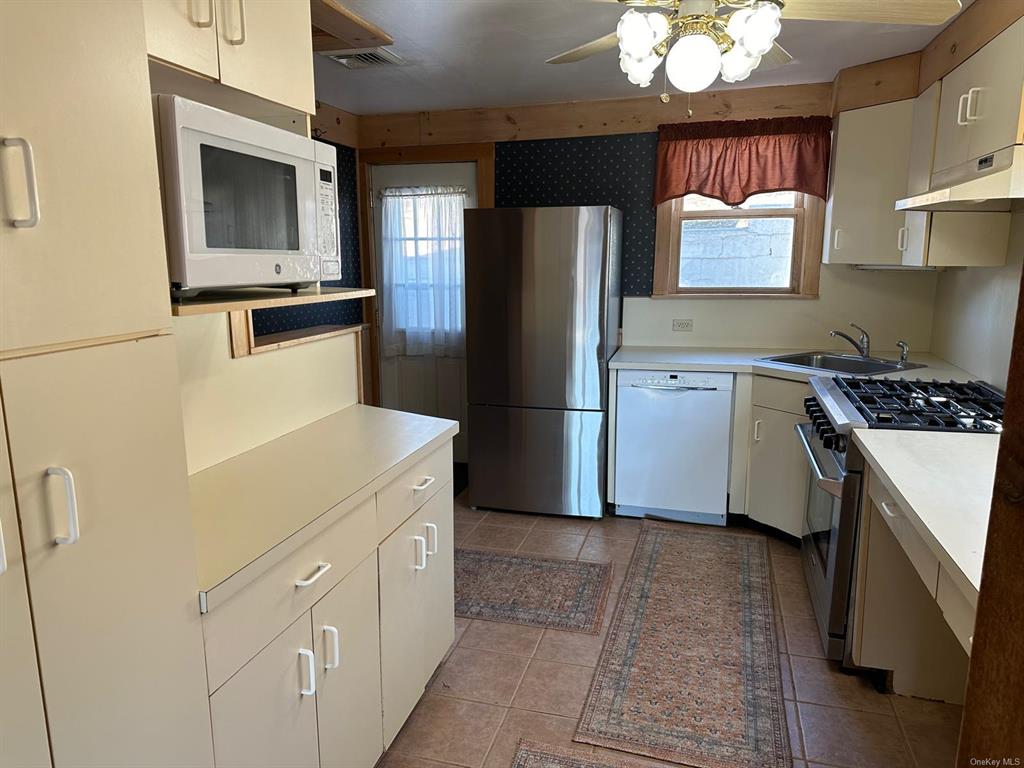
(990, 183)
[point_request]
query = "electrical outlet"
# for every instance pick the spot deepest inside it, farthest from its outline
(683, 325)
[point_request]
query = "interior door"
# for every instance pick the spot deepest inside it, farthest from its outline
(23, 737)
(346, 631)
(261, 717)
(183, 32)
(93, 265)
(439, 598)
(116, 615)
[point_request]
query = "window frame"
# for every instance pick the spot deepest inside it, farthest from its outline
(808, 234)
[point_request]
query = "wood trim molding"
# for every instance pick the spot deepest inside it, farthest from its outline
(335, 125)
(877, 82)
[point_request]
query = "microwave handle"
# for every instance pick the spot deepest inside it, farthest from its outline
(829, 485)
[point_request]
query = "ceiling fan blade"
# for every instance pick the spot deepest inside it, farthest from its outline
(878, 11)
(586, 50)
(776, 57)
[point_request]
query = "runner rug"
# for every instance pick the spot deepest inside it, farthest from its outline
(689, 672)
(536, 591)
(531, 754)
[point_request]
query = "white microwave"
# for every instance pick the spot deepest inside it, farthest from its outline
(246, 204)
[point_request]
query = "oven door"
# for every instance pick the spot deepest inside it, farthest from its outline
(827, 550)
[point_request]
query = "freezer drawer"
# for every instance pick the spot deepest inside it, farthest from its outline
(537, 460)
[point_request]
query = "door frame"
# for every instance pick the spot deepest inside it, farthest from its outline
(482, 154)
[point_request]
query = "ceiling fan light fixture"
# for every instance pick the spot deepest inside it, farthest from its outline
(760, 28)
(639, 71)
(694, 62)
(737, 64)
(639, 32)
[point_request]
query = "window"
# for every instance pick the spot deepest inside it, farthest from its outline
(423, 294)
(769, 245)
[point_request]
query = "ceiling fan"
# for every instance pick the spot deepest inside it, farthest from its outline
(701, 39)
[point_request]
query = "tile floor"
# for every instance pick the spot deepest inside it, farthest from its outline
(504, 682)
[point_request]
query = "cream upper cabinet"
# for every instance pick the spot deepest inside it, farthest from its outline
(346, 633)
(183, 32)
(98, 460)
(23, 737)
(266, 48)
(265, 716)
(81, 241)
(981, 109)
(870, 162)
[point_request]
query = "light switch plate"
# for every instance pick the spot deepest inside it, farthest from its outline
(683, 325)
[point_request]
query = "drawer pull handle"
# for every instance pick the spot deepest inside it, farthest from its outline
(310, 672)
(240, 40)
(321, 569)
(335, 647)
(421, 553)
(970, 114)
(888, 511)
(960, 119)
(431, 528)
(427, 482)
(757, 430)
(3, 551)
(72, 500)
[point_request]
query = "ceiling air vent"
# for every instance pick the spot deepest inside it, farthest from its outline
(365, 58)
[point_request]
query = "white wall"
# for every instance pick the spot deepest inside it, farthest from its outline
(975, 310)
(891, 305)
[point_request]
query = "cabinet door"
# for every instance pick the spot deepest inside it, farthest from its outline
(952, 137)
(869, 175)
(266, 49)
(94, 264)
(261, 717)
(117, 620)
(439, 596)
(777, 477)
(995, 92)
(348, 699)
(402, 659)
(22, 720)
(184, 33)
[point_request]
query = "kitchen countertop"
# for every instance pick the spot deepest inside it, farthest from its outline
(747, 361)
(943, 483)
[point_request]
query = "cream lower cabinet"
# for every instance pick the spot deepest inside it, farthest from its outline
(98, 459)
(23, 738)
(417, 623)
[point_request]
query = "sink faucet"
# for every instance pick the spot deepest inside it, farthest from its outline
(904, 351)
(863, 346)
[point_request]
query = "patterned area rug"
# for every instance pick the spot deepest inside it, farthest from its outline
(689, 672)
(537, 591)
(530, 754)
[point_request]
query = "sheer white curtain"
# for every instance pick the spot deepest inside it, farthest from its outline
(423, 298)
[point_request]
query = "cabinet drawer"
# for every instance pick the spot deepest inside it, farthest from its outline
(397, 501)
(238, 629)
(956, 609)
(780, 394)
(917, 551)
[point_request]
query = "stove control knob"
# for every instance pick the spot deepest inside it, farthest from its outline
(809, 404)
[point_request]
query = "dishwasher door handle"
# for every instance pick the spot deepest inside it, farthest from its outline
(829, 485)
(673, 388)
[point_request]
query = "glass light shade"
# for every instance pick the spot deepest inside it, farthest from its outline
(737, 64)
(639, 32)
(639, 71)
(693, 63)
(761, 28)
(737, 23)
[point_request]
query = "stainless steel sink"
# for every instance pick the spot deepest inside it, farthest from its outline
(839, 363)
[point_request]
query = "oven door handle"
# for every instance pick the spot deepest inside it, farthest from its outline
(828, 484)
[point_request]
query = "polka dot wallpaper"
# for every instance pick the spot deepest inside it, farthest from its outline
(335, 313)
(596, 170)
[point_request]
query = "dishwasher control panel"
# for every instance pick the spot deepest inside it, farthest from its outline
(680, 379)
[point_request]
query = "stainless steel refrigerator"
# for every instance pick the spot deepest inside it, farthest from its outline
(542, 320)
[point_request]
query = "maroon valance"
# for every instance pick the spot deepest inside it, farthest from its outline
(733, 159)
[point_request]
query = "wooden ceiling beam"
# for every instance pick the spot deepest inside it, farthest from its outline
(335, 27)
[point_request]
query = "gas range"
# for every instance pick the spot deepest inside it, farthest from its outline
(841, 404)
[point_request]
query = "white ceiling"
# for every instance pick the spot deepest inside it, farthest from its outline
(481, 53)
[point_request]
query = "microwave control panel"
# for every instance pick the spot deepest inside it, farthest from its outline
(327, 222)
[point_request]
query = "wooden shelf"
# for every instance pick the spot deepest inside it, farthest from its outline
(270, 341)
(245, 299)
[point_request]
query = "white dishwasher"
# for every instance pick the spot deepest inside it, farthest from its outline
(672, 437)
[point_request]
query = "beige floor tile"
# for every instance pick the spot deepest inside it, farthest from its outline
(461, 625)
(604, 550)
(449, 730)
(802, 638)
(932, 729)
(394, 759)
(570, 647)
(795, 600)
(577, 525)
(512, 519)
(796, 745)
(616, 528)
(550, 544)
(818, 681)
(505, 638)
(495, 537)
(788, 570)
(467, 515)
(557, 689)
(462, 530)
(913, 710)
(546, 729)
(852, 739)
(786, 673)
(480, 676)
(782, 547)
